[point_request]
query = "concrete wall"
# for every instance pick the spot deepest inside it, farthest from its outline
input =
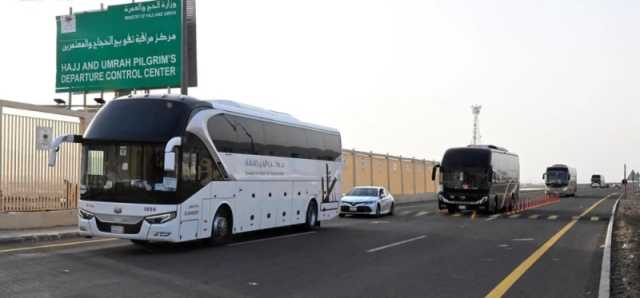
(35, 220)
(401, 176)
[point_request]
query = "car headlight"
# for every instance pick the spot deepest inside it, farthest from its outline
(84, 214)
(161, 218)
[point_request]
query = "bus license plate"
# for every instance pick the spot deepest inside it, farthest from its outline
(117, 229)
(462, 207)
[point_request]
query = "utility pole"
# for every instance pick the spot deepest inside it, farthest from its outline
(476, 124)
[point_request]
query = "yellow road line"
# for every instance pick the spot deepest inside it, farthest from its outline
(54, 245)
(517, 273)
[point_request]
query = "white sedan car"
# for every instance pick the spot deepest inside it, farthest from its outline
(367, 200)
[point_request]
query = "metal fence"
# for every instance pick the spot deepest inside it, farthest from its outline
(26, 182)
(401, 176)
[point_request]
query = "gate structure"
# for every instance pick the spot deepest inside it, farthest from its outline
(26, 182)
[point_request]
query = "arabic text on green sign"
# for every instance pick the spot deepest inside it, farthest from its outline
(131, 46)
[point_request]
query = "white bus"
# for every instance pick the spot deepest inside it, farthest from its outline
(174, 169)
(561, 180)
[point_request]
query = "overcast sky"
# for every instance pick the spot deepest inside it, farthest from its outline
(559, 81)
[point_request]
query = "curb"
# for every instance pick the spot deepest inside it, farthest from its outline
(605, 273)
(39, 237)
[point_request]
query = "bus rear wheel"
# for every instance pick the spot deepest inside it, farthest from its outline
(492, 206)
(312, 216)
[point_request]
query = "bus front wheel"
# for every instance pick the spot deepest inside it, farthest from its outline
(221, 227)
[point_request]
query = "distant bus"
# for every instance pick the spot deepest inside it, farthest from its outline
(561, 180)
(480, 178)
(597, 181)
(174, 169)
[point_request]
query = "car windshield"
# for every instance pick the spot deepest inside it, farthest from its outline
(126, 173)
(364, 192)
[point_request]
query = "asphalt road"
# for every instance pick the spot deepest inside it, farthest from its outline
(419, 252)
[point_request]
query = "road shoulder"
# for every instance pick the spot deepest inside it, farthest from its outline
(625, 275)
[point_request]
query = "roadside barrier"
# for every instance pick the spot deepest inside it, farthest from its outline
(527, 204)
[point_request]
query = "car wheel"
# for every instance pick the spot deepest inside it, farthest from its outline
(392, 209)
(378, 210)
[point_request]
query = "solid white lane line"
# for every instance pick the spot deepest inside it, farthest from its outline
(396, 244)
(422, 213)
(66, 244)
(605, 273)
(269, 239)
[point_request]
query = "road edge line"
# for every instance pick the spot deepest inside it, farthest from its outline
(604, 290)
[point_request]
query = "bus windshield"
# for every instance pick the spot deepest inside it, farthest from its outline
(127, 173)
(466, 169)
(557, 176)
(466, 178)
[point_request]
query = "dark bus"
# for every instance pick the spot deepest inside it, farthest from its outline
(478, 178)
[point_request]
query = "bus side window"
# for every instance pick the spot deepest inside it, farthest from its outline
(198, 167)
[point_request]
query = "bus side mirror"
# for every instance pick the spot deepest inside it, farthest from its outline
(433, 172)
(170, 161)
(54, 147)
(544, 176)
(170, 155)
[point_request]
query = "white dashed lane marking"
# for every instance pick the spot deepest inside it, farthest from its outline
(396, 244)
(595, 218)
(422, 213)
(552, 217)
(493, 217)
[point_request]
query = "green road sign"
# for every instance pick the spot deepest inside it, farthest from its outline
(131, 46)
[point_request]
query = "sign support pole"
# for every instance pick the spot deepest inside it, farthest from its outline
(184, 86)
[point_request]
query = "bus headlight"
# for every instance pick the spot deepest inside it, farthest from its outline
(84, 214)
(161, 218)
